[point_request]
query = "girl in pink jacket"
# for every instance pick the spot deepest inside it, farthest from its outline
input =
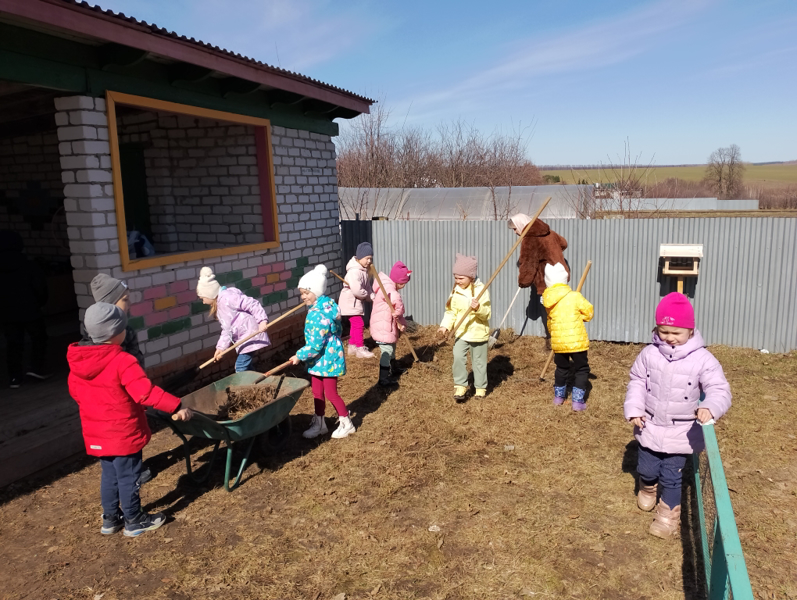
(663, 401)
(385, 325)
(356, 291)
(239, 316)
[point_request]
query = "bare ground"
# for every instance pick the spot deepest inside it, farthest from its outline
(531, 500)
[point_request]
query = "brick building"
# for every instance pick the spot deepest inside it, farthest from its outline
(130, 150)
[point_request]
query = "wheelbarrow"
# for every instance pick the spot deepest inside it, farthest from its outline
(269, 423)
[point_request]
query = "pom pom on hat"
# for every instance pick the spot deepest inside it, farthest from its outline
(315, 281)
(466, 266)
(207, 287)
(675, 310)
(555, 274)
(400, 273)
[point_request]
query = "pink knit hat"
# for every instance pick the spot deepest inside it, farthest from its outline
(675, 310)
(465, 266)
(400, 273)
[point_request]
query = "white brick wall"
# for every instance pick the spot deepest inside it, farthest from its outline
(308, 197)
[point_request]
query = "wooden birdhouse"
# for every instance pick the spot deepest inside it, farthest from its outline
(681, 260)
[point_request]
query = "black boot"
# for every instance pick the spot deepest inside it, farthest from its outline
(385, 379)
(396, 369)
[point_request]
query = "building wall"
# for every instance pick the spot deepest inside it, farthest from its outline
(32, 194)
(202, 180)
(173, 326)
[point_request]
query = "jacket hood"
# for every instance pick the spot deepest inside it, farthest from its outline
(552, 295)
(354, 264)
(390, 286)
(678, 352)
(539, 229)
(86, 362)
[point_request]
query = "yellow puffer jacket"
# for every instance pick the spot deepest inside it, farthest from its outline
(567, 311)
(476, 327)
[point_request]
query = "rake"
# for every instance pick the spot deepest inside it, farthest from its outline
(495, 334)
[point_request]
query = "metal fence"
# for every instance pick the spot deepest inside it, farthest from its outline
(744, 296)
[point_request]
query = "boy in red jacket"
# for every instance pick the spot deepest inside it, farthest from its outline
(111, 390)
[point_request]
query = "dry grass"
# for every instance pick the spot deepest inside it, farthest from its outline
(531, 500)
(243, 399)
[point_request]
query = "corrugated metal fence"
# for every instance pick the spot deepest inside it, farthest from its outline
(745, 294)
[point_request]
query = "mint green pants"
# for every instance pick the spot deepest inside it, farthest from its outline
(478, 356)
(386, 353)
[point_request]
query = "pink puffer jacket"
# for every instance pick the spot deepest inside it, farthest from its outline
(383, 326)
(355, 291)
(665, 387)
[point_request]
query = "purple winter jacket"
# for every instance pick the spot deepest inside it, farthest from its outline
(239, 316)
(665, 387)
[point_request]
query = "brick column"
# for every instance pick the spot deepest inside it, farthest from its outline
(88, 191)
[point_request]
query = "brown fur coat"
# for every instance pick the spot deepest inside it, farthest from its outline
(541, 246)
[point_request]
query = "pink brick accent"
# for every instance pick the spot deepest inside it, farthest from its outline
(186, 297)
(155, 319)
(155, 292)
(256, 281)
(277, 267)
(180, 311)
(285, 276)
(141, 309)
(266, 289)
(264, 269)
(280, 286)
(178, 286)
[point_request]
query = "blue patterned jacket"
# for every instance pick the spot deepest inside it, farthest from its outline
(323, 351)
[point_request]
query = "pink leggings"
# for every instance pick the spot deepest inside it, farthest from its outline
(356, 333)
(327, 387)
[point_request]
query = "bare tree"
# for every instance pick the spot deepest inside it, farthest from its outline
(725, 172)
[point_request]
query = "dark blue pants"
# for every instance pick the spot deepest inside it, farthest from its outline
(243, 362)
(121, 480)
(667, 469)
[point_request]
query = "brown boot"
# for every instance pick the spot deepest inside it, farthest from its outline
(646, 498)
(667, 521)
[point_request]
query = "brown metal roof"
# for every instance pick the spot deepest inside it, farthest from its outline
(82, 20)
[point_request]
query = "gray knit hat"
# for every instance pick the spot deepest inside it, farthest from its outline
(104, 321)
(105, 288)
(364, 249)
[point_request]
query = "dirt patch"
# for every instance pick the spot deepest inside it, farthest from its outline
(505, 497)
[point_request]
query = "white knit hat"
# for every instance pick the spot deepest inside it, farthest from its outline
(315, 281)
(555, 274)
(207, 287)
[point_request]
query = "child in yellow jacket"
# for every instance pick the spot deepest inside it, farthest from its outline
(474, 332)
(567, 312)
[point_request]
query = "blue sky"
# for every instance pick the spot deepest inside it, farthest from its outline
(676, 78)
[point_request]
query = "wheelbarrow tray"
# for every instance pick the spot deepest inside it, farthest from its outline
(207, 402)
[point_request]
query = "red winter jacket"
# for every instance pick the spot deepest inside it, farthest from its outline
(111, 390)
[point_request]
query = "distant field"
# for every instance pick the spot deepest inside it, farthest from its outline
(782, 174)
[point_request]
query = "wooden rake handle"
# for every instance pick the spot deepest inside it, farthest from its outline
(578, 289)
(338, 276)
(247, 338)
(390, 304)
(501, 266)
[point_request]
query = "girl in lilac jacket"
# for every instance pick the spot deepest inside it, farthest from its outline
(664, 403)
(239, 316)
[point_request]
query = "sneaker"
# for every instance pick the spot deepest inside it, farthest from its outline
(15, 383)
(112, 525)
(364, 353)
(352, 350)
(459, 393)
(145, 523)
(146, 476)
(345, 427)
(41, 376)
(480, 393)
(318, 426)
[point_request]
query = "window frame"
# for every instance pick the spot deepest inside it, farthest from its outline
(265, 164)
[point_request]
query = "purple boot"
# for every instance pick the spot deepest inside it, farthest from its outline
(579, 403)
(559, 394)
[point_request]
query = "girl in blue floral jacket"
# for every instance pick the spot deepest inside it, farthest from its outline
(323, 353)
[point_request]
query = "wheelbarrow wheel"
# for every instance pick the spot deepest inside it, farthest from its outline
(275, 438)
